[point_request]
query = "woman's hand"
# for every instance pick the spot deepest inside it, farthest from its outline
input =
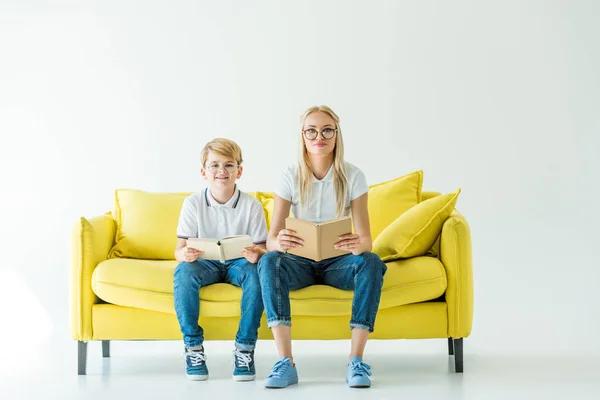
(190, 255)
(253, 253)
(350, 242)
(287, 239)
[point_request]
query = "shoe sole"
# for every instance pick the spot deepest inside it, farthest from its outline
(281, 387)
(197, 377)
(243, 378)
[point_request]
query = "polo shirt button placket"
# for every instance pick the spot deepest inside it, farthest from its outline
(319, 201)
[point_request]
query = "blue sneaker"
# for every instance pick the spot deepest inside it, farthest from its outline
(243, 366)
(358, 374)
(282, 375)
(196, 369)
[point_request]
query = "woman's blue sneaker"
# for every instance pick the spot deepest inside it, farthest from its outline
(358, 373)
(195, 360)
(282, 375)
(243, 366)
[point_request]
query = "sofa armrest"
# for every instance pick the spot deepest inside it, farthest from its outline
(91, 240)
(455, 254)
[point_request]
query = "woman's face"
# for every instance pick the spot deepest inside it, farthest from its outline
(323, 126)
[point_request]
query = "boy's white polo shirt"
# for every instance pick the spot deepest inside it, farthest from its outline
(202, 216)
(322, 204)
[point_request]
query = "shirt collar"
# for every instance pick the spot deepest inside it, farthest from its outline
(231, 203)
(327, 178)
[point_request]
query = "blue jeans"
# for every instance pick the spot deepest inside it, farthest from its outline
(281, 272)
(189, 277)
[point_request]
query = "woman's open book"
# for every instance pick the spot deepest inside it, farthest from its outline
(227, 248)
(319, 238)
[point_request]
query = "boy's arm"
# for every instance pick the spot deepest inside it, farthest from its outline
(258, 225)
(186, 228)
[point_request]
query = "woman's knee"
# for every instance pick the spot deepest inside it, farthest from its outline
(372, 264)
(267, 263)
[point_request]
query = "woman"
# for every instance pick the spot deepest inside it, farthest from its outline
(319, 188)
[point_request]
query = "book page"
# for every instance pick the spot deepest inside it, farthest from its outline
(330, 233)
(308, 232)
(210, 247)
(233, 245)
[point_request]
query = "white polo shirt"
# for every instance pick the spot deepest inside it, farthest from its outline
(202, 216)
(322, 206)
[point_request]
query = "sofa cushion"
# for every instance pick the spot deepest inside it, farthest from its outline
(146, 224)
(388, 200)
(148, 284)
(415, 231)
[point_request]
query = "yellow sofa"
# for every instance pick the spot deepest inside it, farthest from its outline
(117, 295)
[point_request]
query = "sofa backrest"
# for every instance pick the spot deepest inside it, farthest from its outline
(146, 222)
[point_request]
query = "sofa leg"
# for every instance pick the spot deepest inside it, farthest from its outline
(106, 348)
(81, 357)
(450, 346)
(458, 355)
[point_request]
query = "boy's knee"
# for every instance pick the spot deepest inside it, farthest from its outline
(184, 269)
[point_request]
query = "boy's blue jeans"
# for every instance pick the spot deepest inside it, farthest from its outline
(281, 272)
(190, 277)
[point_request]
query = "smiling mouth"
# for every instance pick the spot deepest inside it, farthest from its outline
(222, 177)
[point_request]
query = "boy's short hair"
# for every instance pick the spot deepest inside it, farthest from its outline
(222, 147)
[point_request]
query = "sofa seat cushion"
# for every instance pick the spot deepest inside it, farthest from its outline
(148, 284)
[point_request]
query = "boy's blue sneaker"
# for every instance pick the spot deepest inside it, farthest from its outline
(282, 375)
(243, 366)
(196, 369)
(358, 373)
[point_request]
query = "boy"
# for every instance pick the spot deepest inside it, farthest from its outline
(219, 210)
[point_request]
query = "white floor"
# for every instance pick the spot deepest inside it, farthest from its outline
(401, 369)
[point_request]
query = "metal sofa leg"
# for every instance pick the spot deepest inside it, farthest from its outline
(106, 348)
(450, 346)
(81, 357)
(458, 355)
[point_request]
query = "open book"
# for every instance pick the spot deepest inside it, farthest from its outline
(223, 249)
(319, 238)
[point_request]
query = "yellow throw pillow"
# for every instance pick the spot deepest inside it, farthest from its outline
(389, 200)
(415, 231)
(267, 200)
(146, 224)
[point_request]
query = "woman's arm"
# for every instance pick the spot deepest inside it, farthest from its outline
(360, 241)
(281, 239)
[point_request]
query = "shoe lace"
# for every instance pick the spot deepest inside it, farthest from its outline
(360, 368)
(243, 360)
(196, 357)
(279, 368)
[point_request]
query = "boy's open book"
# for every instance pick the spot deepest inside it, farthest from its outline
(319, 238)
(223, 249)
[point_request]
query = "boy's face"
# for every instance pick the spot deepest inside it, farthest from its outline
(220, 171)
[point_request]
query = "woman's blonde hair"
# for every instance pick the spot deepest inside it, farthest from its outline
(222, 147)
(305, 174)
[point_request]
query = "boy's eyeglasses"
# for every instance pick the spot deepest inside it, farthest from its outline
(215, 167)
(311, 134)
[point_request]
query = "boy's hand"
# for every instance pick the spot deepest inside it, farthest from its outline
(253, 254)
(190, 255)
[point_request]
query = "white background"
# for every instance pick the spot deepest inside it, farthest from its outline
(501, 99)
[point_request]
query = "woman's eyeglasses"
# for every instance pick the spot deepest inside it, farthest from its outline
(311, 134)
